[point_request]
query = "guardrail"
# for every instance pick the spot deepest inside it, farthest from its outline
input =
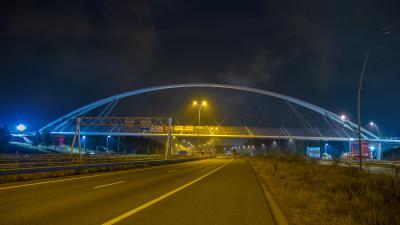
(66, 162)
(382, 167)
(97, 165)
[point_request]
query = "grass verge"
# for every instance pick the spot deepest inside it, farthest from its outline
(308, 193)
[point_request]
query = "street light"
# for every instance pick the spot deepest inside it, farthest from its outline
(199, 106)
(292, 145)
(107, 140)
(384, 32)
(274, 144)
(84, 142)
(379, 153)
(372, 124)
(346, 121)
(264, 148)
(21, 127)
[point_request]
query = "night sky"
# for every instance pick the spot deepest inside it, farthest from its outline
(58, 55)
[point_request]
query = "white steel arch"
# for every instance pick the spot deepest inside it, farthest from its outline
(302, 103)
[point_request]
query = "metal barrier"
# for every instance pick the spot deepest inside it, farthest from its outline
(89, 166)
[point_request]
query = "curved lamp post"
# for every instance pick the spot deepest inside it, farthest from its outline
(381, 32)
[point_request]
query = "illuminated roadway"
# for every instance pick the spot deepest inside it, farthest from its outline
(213, 191)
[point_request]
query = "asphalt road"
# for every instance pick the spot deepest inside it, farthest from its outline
(214, 191)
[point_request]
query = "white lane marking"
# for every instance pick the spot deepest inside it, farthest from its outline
(106, 185)
(84, 177)
(74, 178)
(172, 171)
(140, 208)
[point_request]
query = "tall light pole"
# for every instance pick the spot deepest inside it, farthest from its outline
(292, 145)
(326, 145)
(84, 143)
(107, 140)
(199, 106)
(274, 145)
(359, 92)
(345, 120)
(379, 153)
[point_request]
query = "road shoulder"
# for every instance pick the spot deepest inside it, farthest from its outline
(277, 214)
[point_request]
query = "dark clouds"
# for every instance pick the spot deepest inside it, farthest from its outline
(306, 36)
(75, 43)
(74, 52)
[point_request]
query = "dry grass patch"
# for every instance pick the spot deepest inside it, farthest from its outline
(309, 193)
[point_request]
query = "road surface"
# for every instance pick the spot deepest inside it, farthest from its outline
(213, 191)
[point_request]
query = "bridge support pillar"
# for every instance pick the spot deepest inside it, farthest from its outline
(77, 134)
(379, 152)
(168, 144)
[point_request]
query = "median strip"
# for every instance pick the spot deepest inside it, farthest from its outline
(106, 185)
(152, 202)
(76, 178)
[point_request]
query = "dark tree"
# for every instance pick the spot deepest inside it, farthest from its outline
(5, 138)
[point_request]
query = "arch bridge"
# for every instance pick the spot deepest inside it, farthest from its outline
(95, 119)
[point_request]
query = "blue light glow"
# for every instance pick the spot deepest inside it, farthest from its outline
(21, 127)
